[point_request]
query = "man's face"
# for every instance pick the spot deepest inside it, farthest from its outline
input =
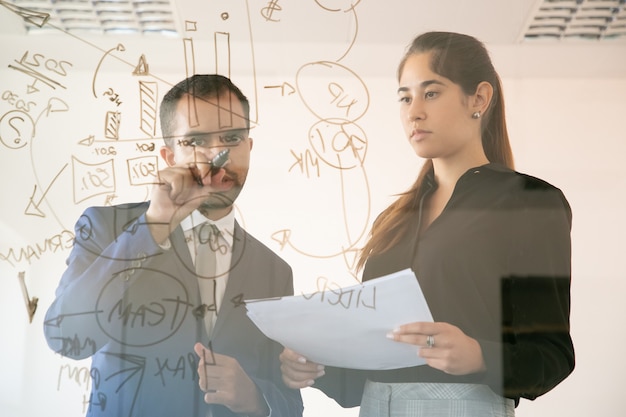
(203, 128)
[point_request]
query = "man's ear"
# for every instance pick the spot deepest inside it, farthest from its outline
(168, 155)
(482, 97)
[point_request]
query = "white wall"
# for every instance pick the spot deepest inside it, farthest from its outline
(567, 131)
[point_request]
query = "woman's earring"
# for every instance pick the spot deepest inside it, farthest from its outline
(476, 115)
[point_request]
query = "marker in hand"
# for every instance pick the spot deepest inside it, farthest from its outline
(216, 163)
(219, 160)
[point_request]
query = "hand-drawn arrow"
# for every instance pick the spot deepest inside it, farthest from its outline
(88, 141)
(56, 321)
(283, 87)
(31, 16)
(33, 207)
(55, 105)
(137, 367)
(119, 47)
(31, 303)
(238, 300)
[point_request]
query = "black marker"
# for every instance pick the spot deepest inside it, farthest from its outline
(216, 163)
(220, 160)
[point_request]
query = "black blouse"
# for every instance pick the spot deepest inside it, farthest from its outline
(497, 264)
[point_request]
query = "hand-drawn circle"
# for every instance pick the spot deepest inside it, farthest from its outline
(16, 129)
(339, 143)
(344, 98)
(236, 253)
(337, 5)
(134, 316)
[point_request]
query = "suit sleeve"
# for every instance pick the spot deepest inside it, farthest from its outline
(100, 269)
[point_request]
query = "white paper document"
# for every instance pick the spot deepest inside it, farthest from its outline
(347, 327)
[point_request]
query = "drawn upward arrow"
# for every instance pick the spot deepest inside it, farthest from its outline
(31, 16)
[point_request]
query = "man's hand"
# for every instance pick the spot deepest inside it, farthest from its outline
(181, 188)
(297, 371)
(225, 382)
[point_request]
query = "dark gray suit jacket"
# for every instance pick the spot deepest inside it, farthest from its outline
(134, 309)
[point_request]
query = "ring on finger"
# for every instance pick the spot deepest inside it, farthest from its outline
(430, 341)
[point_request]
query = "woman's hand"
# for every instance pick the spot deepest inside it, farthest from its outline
(297, 371)
(450, 350)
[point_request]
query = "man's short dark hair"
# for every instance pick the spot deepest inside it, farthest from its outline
(200, 86)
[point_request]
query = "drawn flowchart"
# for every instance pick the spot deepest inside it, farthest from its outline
(88, 134)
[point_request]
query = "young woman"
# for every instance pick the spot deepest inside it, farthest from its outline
(490, 247)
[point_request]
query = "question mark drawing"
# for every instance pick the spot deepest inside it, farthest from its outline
(16, 129)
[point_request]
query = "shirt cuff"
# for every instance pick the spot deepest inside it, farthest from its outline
(166, 245)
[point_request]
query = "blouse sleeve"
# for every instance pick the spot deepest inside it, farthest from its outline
(537, 350)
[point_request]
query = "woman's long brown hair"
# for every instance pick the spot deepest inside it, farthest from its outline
(465, 61)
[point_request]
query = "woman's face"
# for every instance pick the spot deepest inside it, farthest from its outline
(435, 113)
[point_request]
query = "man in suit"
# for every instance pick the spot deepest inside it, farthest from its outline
(153, 292)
